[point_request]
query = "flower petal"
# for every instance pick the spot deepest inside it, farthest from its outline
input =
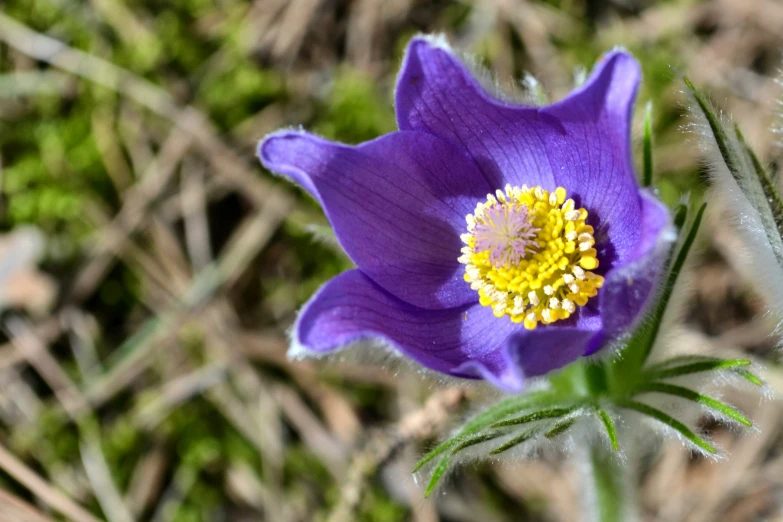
(582, 143)
(464, 342)
(543, 350)
(628, 289)
(397, 204)
(596, 148)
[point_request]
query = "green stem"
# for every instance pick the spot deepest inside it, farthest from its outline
(595, 376)
(608, 476)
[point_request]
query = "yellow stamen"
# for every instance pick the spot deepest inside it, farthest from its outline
(533, 258)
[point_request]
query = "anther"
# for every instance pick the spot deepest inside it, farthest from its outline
(533, 297)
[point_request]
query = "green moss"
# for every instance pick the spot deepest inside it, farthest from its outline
(355, 110)
(378, 507)
(240, 92)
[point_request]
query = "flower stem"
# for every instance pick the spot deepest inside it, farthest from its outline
(608, 476)
(595, 376)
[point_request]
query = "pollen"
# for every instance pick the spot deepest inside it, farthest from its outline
(530, 255)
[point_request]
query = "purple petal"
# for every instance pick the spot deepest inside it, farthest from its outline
(628, 289)
(466, 342)
(397, 205)
(543, 350)
(581, 143)
(351, 307)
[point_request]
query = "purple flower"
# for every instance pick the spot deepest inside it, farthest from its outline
(492, 240)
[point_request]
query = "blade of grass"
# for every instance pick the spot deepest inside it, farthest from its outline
(680, 213)
(671, 281)
(648, 157)
(691, 395)
(673, 423)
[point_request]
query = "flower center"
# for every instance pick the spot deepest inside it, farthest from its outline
(529, 254)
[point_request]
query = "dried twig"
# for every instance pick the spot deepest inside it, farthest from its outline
(101, 480)
(36, 353)
(41, 489)
(431, 419)
(14, 509)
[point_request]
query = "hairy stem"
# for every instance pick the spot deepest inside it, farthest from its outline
(608, 477)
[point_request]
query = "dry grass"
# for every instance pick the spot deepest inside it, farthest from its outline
(216, 292)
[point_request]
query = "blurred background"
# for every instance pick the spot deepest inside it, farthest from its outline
(149, 267)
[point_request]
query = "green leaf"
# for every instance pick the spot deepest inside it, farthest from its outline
(687, 366)
(656, 319)
(752, 187)
(648, 155)
(752, 378)
(669, 421)
(437, 474)
(478, 439)
(691, 395)
(608, 423)
(551, 413)
(680, 213)
(560, 428)
(487, 418)
(768, 186)
(519, 439)
(721, 137)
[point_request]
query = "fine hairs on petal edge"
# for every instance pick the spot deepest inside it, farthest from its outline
(384, 355)
(524, 91)
(507, 90)
(757, 255)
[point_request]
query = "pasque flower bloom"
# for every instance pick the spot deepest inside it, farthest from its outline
(492, 240)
